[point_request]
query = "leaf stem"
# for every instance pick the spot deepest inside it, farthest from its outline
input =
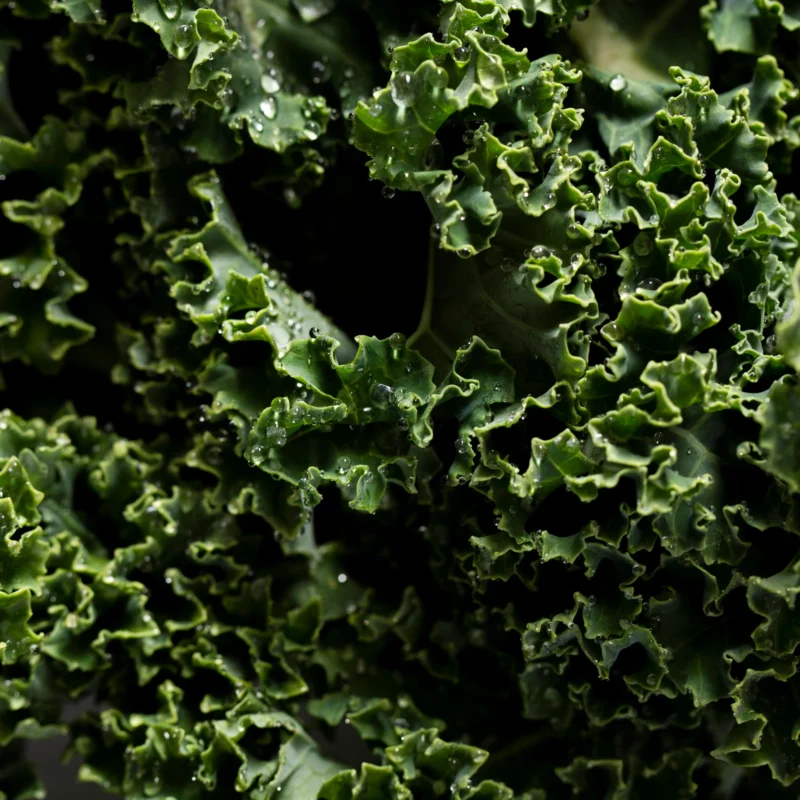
(425, 317)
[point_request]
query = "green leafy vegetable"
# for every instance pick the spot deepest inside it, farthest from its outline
(480, 480)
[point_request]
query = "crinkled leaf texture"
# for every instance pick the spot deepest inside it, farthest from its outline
(545, 544)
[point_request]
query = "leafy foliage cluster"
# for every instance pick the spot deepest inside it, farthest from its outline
(543, 543)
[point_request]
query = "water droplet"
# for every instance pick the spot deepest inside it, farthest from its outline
(539, 252)
(461, 53)
(275, 436)
(319, 72)
(770, 344)
(382, 394)
(387, 192)
(627, 176)
(651, 679)
(642, 244)
(402, 89)
(269, 84)
(650, 284)
(618, 83)
(171, 8)
(344, 464)
(311, 130)
(269, 107)
(461, 446)
(314, 332)
(437, 78)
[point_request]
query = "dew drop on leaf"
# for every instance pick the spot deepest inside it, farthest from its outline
(617, 83)
(770, 345)
(382, 394)
(650, 284)
(275, 436)
(319, 72)
(171, 8)
(269, 107)
(402, 89)
(539, 252)
(269, 84)
(627, 176)
(437, 78)
(642, 244)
